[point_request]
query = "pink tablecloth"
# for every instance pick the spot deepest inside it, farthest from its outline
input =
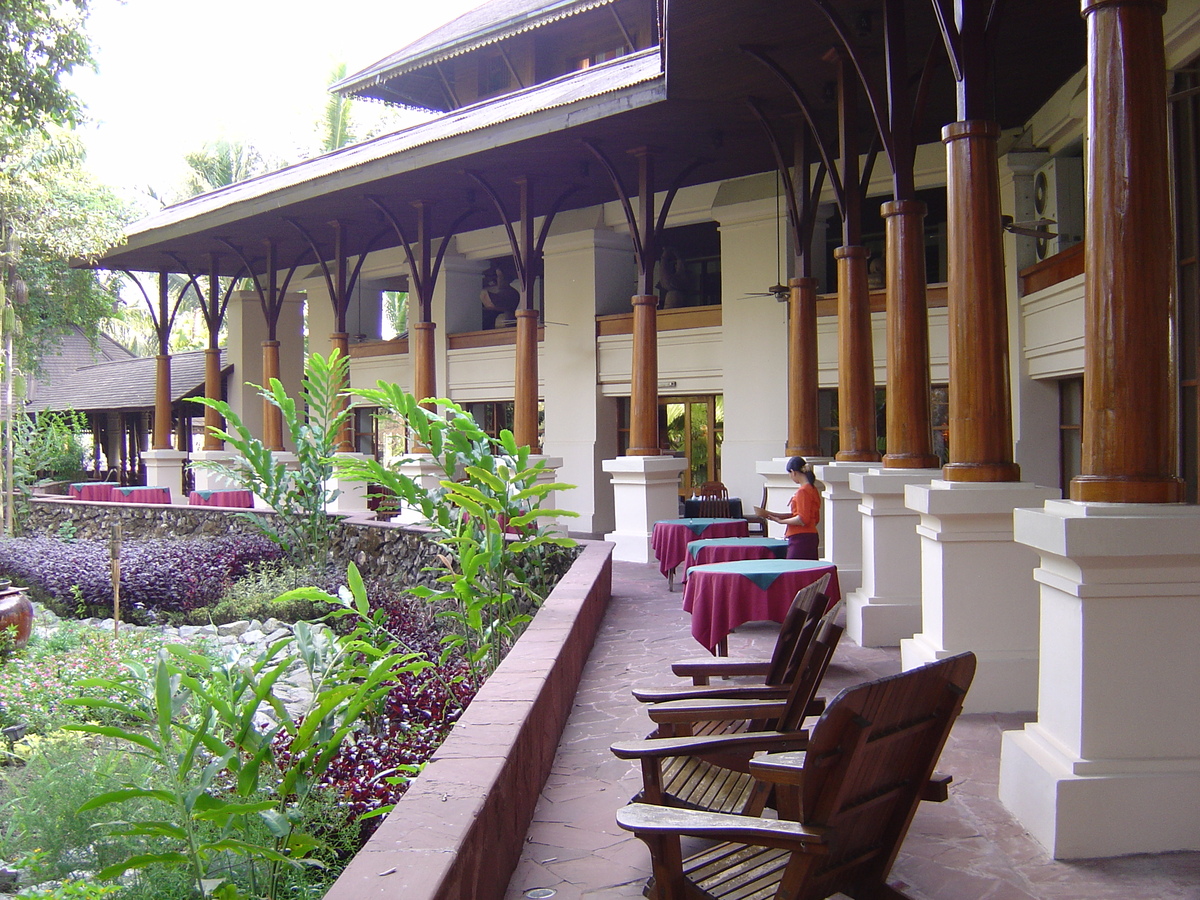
(141, 494)
(670, 537)
(722, 596)
(92, 490)
(715, 550)
(238, 499)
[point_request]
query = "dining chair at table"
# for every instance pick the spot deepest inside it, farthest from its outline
(714, 500)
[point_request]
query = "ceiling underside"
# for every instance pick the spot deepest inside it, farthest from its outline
(700, 114)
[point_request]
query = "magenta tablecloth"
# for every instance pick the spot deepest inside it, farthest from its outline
(715, 550)
(238, 499)
(141, 494)
(670, 537)
(92, 490)
(722, 596)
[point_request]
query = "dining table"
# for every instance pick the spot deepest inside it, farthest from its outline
(234, 498)
(141, 494)
(715, 550)
(91, 490)
(670, 537)
(722, 596)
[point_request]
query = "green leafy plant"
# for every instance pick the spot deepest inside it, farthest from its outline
(226, 774)
(486, 511)
(299, 494)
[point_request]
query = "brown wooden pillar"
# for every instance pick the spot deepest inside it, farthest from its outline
(272, 418)
(1129, 428)
(212, 390)
(856, 364)
(909, 435)
(981, 446)
(804, 429)
(420, 349)
(643, 393)
(162, 402)
(525, 392)
(339, 342)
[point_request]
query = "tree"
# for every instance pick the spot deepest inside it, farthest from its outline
(336, 128)
(40, 41)
(53, 212)
(221, 163)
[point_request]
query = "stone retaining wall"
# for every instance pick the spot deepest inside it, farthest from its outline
(457, 833)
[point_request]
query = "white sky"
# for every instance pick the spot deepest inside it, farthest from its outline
(174, 74)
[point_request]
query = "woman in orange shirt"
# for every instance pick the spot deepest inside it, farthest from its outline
(804, 514)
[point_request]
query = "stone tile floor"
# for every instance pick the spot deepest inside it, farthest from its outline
(968, 848)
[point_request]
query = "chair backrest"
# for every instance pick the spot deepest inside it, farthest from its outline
(799, 623)
(810, 670)
(714, 500)
(871, 753)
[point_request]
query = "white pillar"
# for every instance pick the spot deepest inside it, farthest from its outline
(352, 494)
(1112, 764)
(164, 468)
(247, 331)
(645, 490)
(207, 480)
(977, 588)
(843, 521)
(886, 608)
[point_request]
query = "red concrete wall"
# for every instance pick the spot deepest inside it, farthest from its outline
(458, 831)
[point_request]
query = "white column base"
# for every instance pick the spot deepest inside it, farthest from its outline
(164, 468)
(428, 474)
(780, 488)
(886, 608)
(1112, 765)
(842, 521)
(977, 588)
(352, 495)
(213, 481)
(645, 490)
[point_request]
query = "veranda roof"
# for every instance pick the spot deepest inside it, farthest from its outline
(125, 384)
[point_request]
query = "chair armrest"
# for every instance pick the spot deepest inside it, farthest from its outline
(937, 789)
(675, 712)
(694, 745)
(719, 667)
(703, 692)
(644, 818)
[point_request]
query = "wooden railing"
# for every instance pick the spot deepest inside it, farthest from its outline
(667, 320)
(1051, 271)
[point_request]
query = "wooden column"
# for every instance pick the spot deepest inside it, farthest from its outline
(525, 390)
(340, 341)
(162, 402)
(981, 447)
(909, 435)
(420, 348)
(856, 365)
(212, 390)
(804, 430)
(643, 392)
(272, 418)
(1129, 429)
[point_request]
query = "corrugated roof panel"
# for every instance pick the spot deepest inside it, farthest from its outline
(124, 384)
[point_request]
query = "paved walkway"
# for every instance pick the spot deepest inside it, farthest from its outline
(968, 848)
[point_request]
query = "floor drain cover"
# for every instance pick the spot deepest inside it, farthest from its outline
(540, 893)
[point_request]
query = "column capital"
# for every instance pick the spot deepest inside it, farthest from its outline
(972, 128)
(1091, 6)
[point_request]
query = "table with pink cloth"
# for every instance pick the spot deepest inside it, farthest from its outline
(92, 490)
(141, 494)
(670, 538)
(232, 498)
(722, 596)
(715, 550)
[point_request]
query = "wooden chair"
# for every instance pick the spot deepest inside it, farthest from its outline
(714, 501)
(770, 677)
(681, 767)
(757, 524)
(845, 805)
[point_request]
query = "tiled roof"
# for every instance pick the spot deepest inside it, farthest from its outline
(67, 354)
(486, 24)
(394, 151)
(124, 384)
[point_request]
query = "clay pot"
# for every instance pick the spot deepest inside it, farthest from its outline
(17, 609)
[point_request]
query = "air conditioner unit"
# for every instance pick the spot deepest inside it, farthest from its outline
(1058, 195)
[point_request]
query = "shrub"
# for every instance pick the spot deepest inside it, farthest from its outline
(160, 579)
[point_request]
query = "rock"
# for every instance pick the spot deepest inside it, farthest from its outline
(233, 629)
(252, 636)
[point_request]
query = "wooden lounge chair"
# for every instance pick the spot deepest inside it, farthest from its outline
(765, 678)
(845, 804)
(682, 766)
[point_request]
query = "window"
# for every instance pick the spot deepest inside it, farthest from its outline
(1185, 135)
(689, 269)
(692, 428)
(1070, 430)
(493, 76)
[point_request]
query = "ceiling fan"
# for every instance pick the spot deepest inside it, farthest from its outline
(778, 291)
(1036, 228)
